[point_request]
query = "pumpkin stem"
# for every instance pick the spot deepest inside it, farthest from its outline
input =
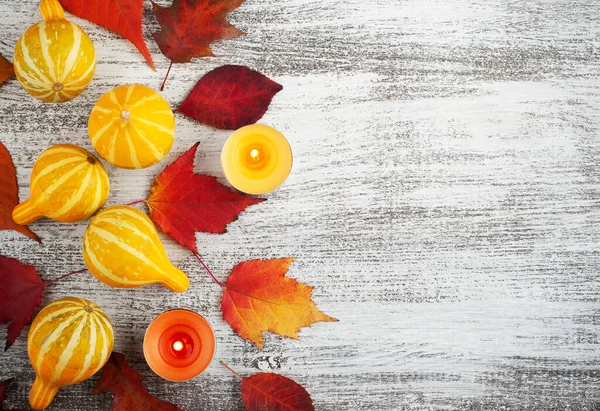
(51, 10)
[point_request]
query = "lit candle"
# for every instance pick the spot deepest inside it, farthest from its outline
(256, 159)
(179, 345)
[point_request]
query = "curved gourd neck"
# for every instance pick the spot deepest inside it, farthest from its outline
(51, 10)
(26, 213)
(175, 279)
(41, 394)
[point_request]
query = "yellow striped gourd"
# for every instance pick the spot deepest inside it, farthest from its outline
(68, 342)
(132, 126)
(54, 59)
(121, 248)
(68, 184)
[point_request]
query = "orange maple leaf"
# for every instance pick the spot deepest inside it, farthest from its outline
(6, 70)
(123, 17)
(259, 297)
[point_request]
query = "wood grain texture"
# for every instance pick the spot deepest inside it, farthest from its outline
(444, 201)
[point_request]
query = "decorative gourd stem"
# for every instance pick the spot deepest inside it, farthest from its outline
(41, 394)
(26, 213)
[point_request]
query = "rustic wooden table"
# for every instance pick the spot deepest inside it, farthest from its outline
(443, 202)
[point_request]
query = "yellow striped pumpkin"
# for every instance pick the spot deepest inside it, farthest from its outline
(54, 59)
(132, 126)
(68, 342)
(68, 184)
(121, 248)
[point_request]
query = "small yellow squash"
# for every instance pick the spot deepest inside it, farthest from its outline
(121, 248)
(132, 126)
(68, 342)
(68, 184)
(54, 59)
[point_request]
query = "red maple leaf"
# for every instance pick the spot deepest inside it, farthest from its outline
(258, 297)
(126, 385)
(274, 392)
(123, 17)
(230, 97)
(9, 195)
(190, 26)
(20, 293)
(6, 70)
(182, 202)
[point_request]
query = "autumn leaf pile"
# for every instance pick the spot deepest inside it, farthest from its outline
(257, 296)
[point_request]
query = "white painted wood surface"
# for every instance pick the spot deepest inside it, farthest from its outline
(443, 202)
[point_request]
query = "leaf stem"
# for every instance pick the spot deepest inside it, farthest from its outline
(162, 87)
(230, 369)
(65, 276)
(136, 202)
(207, 270)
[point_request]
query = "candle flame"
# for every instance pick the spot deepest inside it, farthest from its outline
(178, 346)
(254, 153)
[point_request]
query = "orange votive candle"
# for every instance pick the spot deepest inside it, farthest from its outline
(179, 345)
(256, 159)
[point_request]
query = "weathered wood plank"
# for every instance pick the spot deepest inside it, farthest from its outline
(443, 201)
